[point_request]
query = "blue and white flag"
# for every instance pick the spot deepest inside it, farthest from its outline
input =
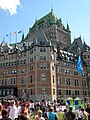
(79, 66)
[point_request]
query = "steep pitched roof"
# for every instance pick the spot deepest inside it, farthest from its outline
(50, 18)
(77, 45)
(41, 37)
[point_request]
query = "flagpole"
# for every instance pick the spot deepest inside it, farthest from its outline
(16, 37)
(80, 70)
(10, 37)
(83, 90)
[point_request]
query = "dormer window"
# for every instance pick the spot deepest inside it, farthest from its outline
(42, 42)
(5, 57)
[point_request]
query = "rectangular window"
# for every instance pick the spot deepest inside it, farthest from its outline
(31, 67)
(13, 81)
(12, 55)
(84, 82)
(42, 49)
(76, 82)
(1, 65)
(43, 66)
(4, 92)
(42, 57)
(53, 91)
(8, 91)
(23, 80)
(6, 64)
(31, 79)
(43, 77)
(58, 70)
(12, 91)
(75, 73)
(31, 59)
(67, 71)
(24, 62)
(0, 92)
(68, 92)
(52, 67)
(43, 91)
(31, 51)
(13, 72)
(4, 82)
(59, 81)
(76, 92)
(66, 64)
(23, 70)
(5, 57)
(67, 81)
(31, 92)
(5, 72)
(59, 92)
(53, 79)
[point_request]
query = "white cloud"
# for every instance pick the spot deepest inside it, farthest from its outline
(10, 6)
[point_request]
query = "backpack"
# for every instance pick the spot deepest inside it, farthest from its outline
(44, 114)
(56, 117)
(70, 115)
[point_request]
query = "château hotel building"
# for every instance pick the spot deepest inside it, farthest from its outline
(42, 65)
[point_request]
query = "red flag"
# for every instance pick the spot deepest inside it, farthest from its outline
(14, 33)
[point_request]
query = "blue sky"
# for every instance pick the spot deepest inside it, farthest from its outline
(21, 14)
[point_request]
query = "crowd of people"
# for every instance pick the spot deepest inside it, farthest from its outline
(44, 110)
(80, 114)
(25, 110)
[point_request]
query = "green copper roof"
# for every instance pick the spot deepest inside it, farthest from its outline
(50, 19)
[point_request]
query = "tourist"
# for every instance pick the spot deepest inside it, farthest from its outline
(13, 110)
(64, 115)
(70, 115)
(52, 115)
(5, 115)
(39, 116)
(80, 113)
(88, 110)
(44, 113)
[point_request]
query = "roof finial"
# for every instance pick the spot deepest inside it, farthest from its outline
(68, 27)
(83, 40)
(36, 19)
(51, 8)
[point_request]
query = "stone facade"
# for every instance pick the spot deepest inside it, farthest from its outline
(38, 68)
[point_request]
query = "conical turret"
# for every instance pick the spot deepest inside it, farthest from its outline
(68, 27)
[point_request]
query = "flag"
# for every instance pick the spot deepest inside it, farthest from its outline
(7, 35)
(19, 31)
(14, 33)
(79, 66)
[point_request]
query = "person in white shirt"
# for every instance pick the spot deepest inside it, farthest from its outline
(80, 113)
(13, 110)
(18, 107)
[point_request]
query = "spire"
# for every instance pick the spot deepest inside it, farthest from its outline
(51, 8)
(68, 27)
(22, 36)
(60, 20)
(35, 19)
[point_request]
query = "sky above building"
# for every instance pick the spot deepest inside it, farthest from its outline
(19, 15)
